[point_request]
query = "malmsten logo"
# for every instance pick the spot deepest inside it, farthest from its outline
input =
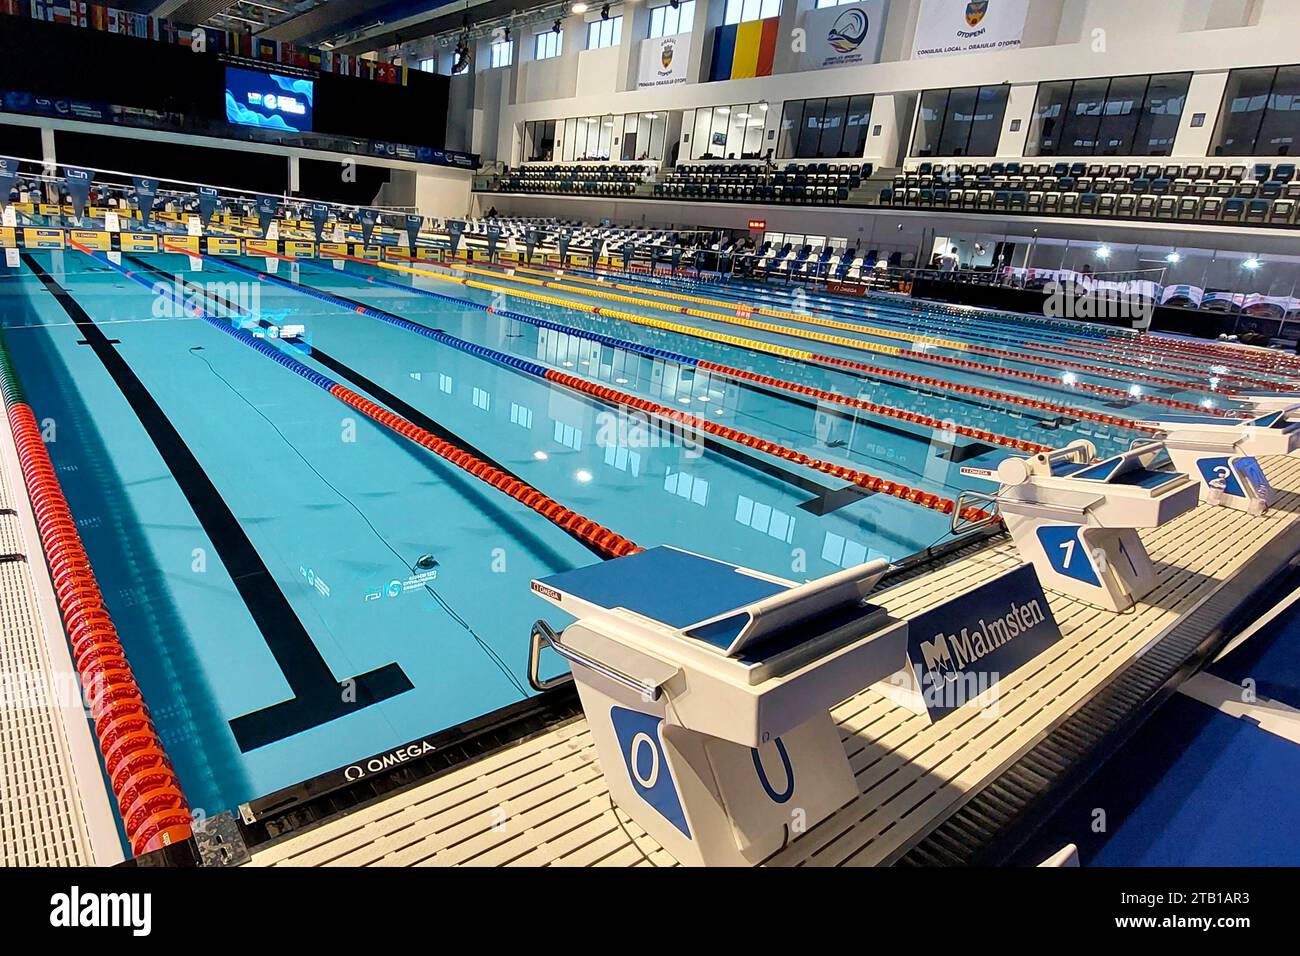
(948, 655)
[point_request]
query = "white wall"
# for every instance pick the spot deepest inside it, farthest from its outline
(1062, 39)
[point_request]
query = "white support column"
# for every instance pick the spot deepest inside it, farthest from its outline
(1204, 96)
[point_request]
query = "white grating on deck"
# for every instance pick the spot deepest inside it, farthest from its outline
(45, 819)
(543, 801)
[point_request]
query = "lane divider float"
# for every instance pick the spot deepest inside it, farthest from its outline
(674, 416)
(608, 542)
(145, 786)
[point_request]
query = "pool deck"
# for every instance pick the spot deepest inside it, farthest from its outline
(54, 804)
(543, 801)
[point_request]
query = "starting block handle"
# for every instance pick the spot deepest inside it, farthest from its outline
(960, 527)
(543, 632)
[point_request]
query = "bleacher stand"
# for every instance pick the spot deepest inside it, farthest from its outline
(606, 179)
(1258, 194)
(808, 183)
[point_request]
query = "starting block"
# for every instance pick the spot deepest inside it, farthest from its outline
(1075, 520)
(708, 687)
(1223, 453)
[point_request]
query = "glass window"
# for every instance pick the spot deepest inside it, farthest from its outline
(428, 64)
(1161, 114)
(570, 140)
(1281, 126)
(1244, 103)
(1118, 116)
(1049, 118)
(857, 122)
(501, 54)
(1083, 117)
(604, 33)
(929, 122)
(668, 21)
(810, 131)
(546, 45)
(742, 11)
(960, 122)
(539, 140)
(791, 123)
(823, 4)
(834, 128)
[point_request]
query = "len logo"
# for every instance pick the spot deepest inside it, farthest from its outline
(975, 11)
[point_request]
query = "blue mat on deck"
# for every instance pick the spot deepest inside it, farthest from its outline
(1193, 788)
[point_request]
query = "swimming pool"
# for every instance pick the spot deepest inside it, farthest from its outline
(299, 585)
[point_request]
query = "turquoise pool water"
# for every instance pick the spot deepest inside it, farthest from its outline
(265, 549)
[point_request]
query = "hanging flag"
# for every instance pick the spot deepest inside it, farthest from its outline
(319, 213)
(267, 206)
(744, 50)
(368, 219)
(208, 200)
(78, 181)
(8, 176)
(146, 194)
(454, 230)
(413, 224)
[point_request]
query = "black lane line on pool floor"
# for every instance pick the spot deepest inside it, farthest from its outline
(823, 494)
(318, 696)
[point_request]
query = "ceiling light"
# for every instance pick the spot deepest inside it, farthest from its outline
(1173, 258)
(1103, 252)
(1252, 264)
(579, 8)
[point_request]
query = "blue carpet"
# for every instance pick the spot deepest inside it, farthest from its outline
(1193, 788)
(1271, 658)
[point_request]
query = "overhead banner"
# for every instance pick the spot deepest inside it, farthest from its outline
(493, 237)
(562, 243)
(629, 252)
(413, 224)
(319, 214)
(368, 219)
(78, 181)
(957, 26)
(267, 206)
(208, 199)
(663, 61)
(597, 247)
(8, 176)
(454, 230)
(843, 35)
(146, 194)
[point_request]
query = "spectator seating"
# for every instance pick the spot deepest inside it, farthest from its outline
(807, 183)
(608, 179)
(1258, 194)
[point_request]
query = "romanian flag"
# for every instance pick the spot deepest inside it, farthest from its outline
(744, 50)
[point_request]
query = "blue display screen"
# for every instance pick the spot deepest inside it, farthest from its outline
(268, 100)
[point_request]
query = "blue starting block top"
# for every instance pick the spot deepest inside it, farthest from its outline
(1271, 420)
(664, 584)
(1123, 469)
(720, 605)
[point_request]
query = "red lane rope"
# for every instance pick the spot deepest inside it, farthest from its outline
(148, 793)
(609, 542)
(870, 482)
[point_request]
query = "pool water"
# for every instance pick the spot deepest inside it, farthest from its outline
(298, 587)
